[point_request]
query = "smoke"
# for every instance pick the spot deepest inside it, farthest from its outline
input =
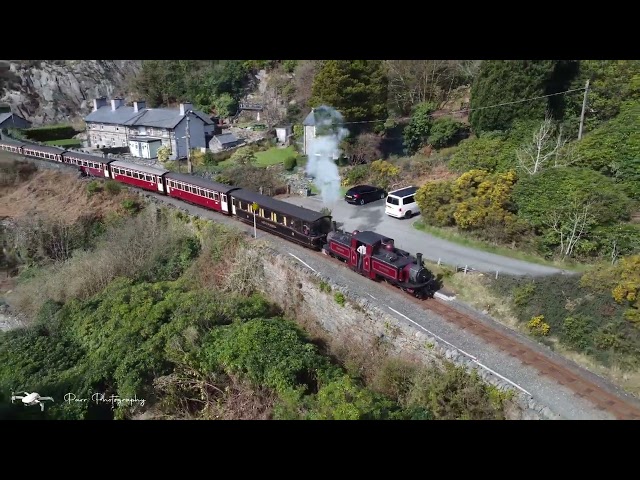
(324, 150)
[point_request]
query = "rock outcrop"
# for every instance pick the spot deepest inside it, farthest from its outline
(51, 91)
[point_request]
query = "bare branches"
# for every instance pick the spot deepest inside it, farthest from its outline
(570, 224)
(545, 147)
(416, 81)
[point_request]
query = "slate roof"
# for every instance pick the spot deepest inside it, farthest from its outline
(226, 138)
(278, 206)
(148, 117)
(8, 115)
(200, 182)
(310, 120)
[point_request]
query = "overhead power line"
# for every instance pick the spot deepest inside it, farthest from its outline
(482, 108)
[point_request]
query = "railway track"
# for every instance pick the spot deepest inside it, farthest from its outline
(581, 386)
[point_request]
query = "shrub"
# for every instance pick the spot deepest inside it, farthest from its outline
(130, 205)
(339, 298)
(112, 187)
(290, 163)
(325, 287)
(94, 186)
(538, 327)
(445, 132)
(355, 175)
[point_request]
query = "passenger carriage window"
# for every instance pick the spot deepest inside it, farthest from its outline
(224, 197)
(284, 221)
(216, 196)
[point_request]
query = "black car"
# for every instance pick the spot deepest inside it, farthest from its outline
(362, 194)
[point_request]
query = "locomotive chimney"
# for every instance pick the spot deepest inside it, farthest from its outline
(334, 226)
(419, 259)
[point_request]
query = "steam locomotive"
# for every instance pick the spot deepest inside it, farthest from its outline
(376, 257)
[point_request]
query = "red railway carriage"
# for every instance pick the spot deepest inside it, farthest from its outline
(89, 164)
(199, 191)
(375, 256)
(142, 176)
(12, 146)
(43, 151)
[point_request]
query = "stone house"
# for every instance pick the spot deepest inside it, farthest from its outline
(144, 130)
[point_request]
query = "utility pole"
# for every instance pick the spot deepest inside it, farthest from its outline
(189, 169)
(584, 107)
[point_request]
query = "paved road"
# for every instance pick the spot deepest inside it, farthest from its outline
(371, 216)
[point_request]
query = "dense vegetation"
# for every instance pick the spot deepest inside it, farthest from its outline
(595, 314)
(175, 319)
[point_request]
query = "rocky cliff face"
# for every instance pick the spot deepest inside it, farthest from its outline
(51, 91)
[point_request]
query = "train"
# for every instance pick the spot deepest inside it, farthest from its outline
(368, 253)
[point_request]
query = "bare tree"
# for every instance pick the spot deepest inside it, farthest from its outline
(570, 223)
(304, 73)
(546, 146)
(468, 69)
(365, 149)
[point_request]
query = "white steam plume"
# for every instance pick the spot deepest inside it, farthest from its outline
(324, 150)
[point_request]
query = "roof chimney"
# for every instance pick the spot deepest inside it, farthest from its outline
(99, 102)
(185, 107)
(116, 103)
(139, 105)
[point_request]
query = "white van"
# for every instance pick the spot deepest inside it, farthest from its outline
(402, 203)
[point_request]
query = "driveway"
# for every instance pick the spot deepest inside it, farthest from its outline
(372, 217)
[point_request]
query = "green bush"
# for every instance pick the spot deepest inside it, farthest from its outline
(290, 163)
(112, 187)
(339, 298)
(357, 174)
(130, 205)
(94, 186)
(445, 132)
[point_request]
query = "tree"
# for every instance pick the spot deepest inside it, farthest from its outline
(304, 74)
(567, 205)
(613, 149)
(445, 132)
(504, 81)
(244, 156)
(417, 132)
(612, 83)
(488, 152)
(225, 105)
(356, 88)
(417, 81)
(365, 148)
(546, 147)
